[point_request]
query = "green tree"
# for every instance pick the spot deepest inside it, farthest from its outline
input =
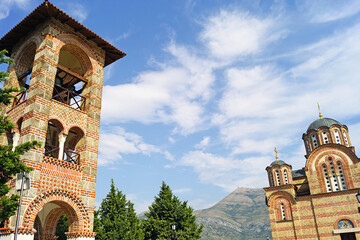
(62, 227)
(166, 210)
(10, 159)
(116, 218)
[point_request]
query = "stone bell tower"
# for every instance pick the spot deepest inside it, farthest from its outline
(60, 63)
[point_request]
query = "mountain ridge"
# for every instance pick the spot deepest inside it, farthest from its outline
(240, 215)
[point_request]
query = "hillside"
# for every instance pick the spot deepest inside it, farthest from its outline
(240, 215)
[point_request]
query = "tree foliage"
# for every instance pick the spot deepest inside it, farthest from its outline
(10, 159)
(62, 227)
(166, 210)
(116, 218)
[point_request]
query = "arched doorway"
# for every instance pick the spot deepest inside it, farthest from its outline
(48, 218)
(45, 210)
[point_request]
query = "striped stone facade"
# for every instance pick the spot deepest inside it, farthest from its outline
(318, 201)
(59, 184)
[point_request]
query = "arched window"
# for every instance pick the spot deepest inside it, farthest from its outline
(345, 138)
(314, 141)
(286, 177)
(271, 179)
(341, 177)
(282, 208)
(23, 69)
(334, 181)
(70, 79)
(52, 138)
(337, 136)
(327, 179)
(71, 142)
(325, 137)
(307, 145)
(333, 178)
(277, 174)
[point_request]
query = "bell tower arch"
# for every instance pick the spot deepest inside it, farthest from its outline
(60, 64)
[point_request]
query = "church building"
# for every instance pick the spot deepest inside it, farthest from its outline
(318, 201)
(60, 63)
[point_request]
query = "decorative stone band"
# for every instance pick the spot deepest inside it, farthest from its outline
(22, 231)
(346, 230)
(76, 235)
(6, 231)
(62, 163)
(26, 231)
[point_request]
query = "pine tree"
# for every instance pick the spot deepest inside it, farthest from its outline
(167, 210)
(116, 218)
(10, 160)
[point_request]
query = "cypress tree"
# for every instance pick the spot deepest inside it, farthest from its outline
(116, 218)
(167, 210)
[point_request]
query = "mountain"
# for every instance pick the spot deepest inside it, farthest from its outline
(240, 215)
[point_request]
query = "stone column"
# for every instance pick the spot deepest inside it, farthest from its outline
(62, 138)
(16, 138)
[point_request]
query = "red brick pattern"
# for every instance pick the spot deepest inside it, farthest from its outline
(315, 216)
(60, 197)
(56, 181)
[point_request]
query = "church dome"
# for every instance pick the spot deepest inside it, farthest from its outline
(322, 122)
(277, 162)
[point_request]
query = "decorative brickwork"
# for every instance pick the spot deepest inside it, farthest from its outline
(321, 194)
(52, 61)
(63, 198)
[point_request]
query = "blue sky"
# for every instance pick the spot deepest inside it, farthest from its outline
(209, 88)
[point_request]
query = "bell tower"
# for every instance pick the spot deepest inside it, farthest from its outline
(60, 63)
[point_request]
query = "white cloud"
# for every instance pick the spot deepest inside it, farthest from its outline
(182, 190)
(123, 35)
(169, 156)
(77, 11)
(227, 173)
(117, 142)
(203, 143)
(262, 107)
(6, 6)
(142, 206)
(176, 93)
(232, 34)
(321, 11)
(254, 106)
(354, 132)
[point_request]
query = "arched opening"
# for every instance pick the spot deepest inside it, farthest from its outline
(71, 142)
(282, 210)
(19, 124)
(23, 69)
(55, 219)
(73, 65)
(52, 138)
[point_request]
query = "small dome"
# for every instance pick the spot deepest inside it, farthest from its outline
(277, 162)
(323, 122)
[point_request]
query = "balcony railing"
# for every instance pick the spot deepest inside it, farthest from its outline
(68, 156)
(69, 97)
(71, 156)
(51, 151)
